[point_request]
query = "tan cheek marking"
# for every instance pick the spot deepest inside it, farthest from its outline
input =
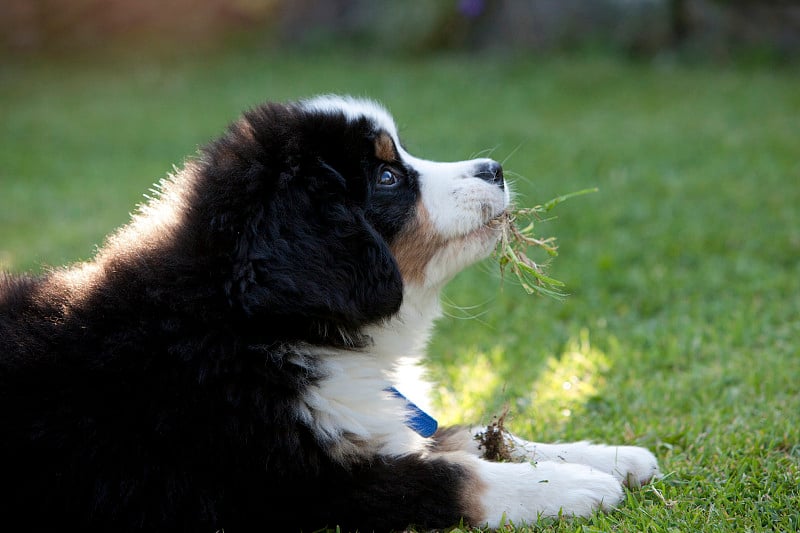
(384, 147)
(416, 245)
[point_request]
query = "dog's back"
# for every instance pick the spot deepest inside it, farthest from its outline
(106, 424)
(41, 378)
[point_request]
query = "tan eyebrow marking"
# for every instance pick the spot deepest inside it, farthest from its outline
(384, 147)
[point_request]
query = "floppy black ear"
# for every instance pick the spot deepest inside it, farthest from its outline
(309, 258)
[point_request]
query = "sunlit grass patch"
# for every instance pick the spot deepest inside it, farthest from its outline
(569, 380)
(470, 388)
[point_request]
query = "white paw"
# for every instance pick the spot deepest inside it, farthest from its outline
(577, 490)
(522, 493)
(632, 465)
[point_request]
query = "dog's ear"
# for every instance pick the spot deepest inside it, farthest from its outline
(309, 258)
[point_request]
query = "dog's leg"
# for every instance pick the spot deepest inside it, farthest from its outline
(523, 492)
(437, 490)
(630, 465)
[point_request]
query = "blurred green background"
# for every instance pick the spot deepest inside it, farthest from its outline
(680, 332)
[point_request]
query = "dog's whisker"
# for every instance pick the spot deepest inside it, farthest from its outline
(511, 154)
(518, 177)
(486, 152)
(465, 312)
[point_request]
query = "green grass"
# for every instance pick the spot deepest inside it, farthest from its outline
(680, 332)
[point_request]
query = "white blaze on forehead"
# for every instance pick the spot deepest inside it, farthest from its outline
(354, 109)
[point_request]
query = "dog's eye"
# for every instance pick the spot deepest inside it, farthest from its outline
(387, 178)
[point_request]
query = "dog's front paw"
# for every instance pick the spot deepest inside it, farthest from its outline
(633, 466)
(577, 490)
(522, 492)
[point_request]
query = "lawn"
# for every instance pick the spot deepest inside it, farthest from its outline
(682, 325)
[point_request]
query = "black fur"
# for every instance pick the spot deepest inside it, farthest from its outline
(152, 389)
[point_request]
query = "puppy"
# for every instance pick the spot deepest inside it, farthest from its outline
(228, 358)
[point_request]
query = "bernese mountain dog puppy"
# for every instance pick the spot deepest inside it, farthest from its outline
(230, 358)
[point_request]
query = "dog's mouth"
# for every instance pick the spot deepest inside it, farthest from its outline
(492, 228)
(499, 220)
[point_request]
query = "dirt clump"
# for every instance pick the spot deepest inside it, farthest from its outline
(493, 442)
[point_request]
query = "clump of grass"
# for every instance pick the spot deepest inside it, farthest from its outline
(517, 238)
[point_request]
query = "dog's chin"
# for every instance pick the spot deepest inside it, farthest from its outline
(462, 251)
(492, 227)
(486, 236)
(488, 233)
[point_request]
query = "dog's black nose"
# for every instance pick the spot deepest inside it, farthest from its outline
(491, 172)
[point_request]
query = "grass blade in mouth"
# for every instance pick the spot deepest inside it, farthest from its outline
(517, 240)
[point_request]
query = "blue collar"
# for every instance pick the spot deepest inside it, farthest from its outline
(418, 420)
